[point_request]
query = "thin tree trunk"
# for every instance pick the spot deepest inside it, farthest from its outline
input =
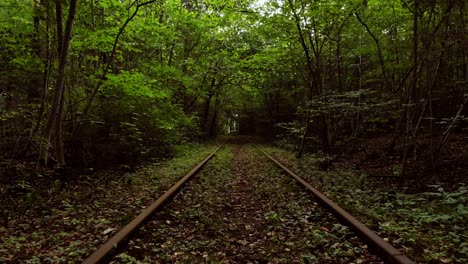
(55, 112)
(59, 133)
(46, 59)
(214, 119)
(358, 113)
(338, 61)
(206, 108)
(446, 133)
(379, 51)
(34, 91)
(310, 74)
(304, 136)
(412, 91)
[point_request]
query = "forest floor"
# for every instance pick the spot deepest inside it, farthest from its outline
(48, 220)
(240, 208)
(374, 158)
(423, 213)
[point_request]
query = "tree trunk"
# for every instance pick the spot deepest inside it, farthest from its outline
(56, 113)
(379, 52)
(412, 90)
(214, 119)
(206, 113)
(304, 136)
(310, 77)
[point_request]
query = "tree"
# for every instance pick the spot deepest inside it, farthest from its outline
(54, 121)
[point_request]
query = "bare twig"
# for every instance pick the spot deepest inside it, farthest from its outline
(446, 133)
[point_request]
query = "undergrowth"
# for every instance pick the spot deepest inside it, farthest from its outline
(242, 209)
(66, 222)
(430, 226)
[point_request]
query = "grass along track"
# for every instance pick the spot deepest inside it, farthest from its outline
(64, 225)
(428, 226)
(240, 209)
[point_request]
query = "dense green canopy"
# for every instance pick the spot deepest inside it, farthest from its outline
(148, 74)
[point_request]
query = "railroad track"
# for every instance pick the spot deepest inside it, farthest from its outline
(385, 250)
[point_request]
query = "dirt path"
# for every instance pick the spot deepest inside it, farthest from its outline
(241, 209)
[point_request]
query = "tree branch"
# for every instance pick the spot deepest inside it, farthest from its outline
(111, 59)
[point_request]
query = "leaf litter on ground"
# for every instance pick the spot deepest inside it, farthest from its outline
(428, 226)
(241, 209)
(66, 225)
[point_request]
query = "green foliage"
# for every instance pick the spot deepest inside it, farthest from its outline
(183, 70)
(41, 224)
(135, 84)
(428, 226)
(290, 134)
(442, 218)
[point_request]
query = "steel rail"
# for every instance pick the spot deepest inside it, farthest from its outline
(110, 246)
(389, 253)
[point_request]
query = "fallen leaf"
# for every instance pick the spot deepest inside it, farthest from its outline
(107, 231)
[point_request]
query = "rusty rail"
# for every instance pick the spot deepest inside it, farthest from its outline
(109, 247)
(389, 253)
